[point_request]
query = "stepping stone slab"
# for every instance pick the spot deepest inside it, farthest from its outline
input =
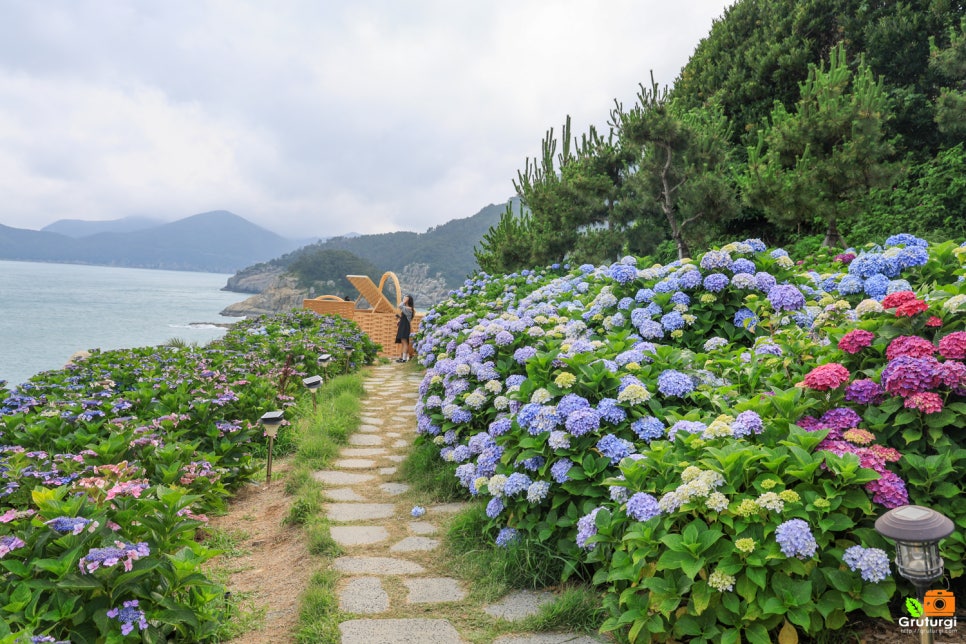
(352, 452)
(368, 429)
(519, 605)
(392, 489)
(355, 463)
(415, 544)
(336, 477)
(365, 439)
(363, 595)
(399, 631)
(345, 512)
(396, 458)
(402, 442)
(377, 566)
(372, 420)
(422, 527)
(548, 638)
(387, 471)
(358, 535)
(343, 494)
(432, 590)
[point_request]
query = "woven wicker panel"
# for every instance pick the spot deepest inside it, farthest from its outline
(380, 327)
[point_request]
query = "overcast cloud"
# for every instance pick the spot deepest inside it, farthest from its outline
(309, 117)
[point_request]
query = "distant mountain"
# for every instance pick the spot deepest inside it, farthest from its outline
(216, 242)
(446, 249)
(80, 228)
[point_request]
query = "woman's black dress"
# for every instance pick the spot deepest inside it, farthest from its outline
(403, 327)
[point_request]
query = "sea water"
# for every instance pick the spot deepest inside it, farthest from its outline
(50, 311)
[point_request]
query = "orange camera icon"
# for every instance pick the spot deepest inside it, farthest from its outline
(938, 603)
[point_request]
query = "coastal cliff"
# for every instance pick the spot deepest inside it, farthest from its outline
(282, 294)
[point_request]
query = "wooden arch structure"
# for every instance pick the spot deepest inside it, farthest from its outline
(371, 310)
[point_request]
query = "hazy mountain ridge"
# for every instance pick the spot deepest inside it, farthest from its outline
(78, 228)
(216, 242)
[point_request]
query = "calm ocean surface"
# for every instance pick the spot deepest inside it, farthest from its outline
(50, 311)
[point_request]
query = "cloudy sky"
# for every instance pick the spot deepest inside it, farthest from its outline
(309, 117)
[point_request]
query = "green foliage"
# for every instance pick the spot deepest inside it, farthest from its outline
(816, 165)
(325, 269)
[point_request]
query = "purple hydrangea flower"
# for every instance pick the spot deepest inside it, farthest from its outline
(786, 297)
(73, 525)
(129, 615)
(571, 403)
(747, 423)
(523, 354)
(9, 543)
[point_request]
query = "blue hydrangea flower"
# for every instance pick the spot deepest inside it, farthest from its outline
(583, 421)
(500, 426)
(743, 265)
(905, 239)
(765, 281)
(756, 244)
(611, 411)
(778, 252)
(129, 616)
(622, 273)
(745, 319)
(648, 428)
(877, 286)
(516, 483)
(716, 282)
(642, 506)
(689, 279)
(672, 321)
(680, 297)
(674, 383)
(851, 285)
(795, 539)
(868, 264)
(651, 330)
(417, 511)
(872, 563)
(571, 403)
(506, 536)
(523, 354)
(615, 447)
(587, 528)
(686, 426)
(560, 469)
(911, 256)
(644, 295)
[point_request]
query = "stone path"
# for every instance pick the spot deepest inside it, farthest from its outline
(388, 590)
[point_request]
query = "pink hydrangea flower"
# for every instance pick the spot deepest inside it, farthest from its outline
(856, 340)
(927, 402)
(910, 345)
(953, 346)
(827, 376)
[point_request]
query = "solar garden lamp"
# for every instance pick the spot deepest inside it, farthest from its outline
(271, 420)
(348, 357)
(323, 361)
(917, 532)
(312, 383)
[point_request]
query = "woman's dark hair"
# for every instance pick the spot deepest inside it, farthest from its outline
(409, 299)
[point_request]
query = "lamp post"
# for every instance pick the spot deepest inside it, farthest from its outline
(271, 421)
(917, 532)
(313, 383)
(348, 358)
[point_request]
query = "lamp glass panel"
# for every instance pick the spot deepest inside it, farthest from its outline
(918, 560)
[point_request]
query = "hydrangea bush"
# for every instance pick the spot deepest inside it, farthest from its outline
(108, 466)
(710, 440)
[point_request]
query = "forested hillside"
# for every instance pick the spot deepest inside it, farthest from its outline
(795, 122)
(446, 250)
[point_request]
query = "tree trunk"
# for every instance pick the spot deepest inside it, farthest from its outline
(833, 238)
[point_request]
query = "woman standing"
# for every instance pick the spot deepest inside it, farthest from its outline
(404, 326)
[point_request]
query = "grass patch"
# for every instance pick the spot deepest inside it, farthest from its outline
(241, 616)
(493, 571)
(319, 613)
(227, 542)
(576, 608)
(324, 429)
(430, 477)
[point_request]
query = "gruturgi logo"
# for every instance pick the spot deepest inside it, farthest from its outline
(936, 612)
